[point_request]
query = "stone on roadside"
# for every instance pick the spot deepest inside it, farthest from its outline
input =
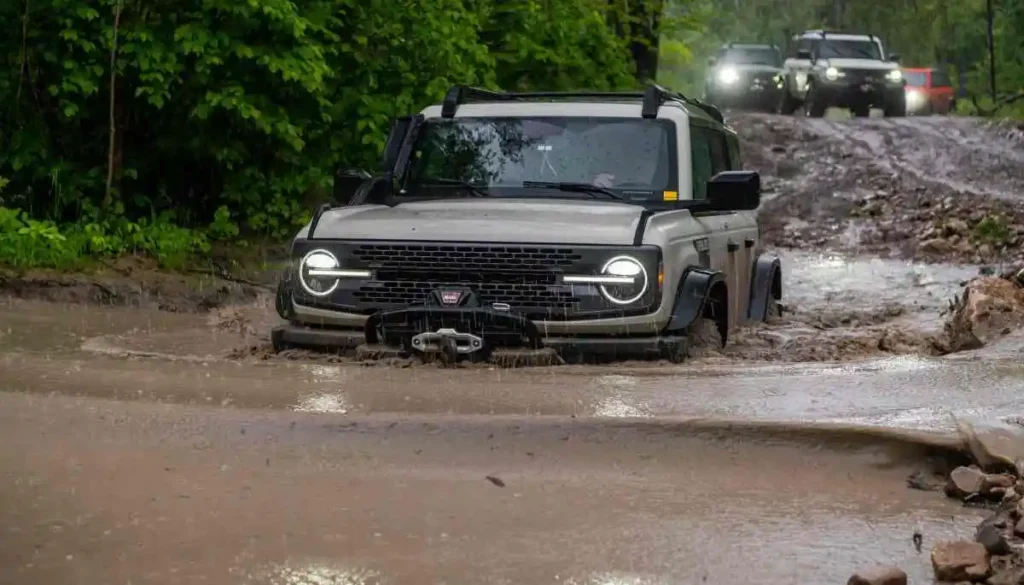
(1018, 528)
(936, 245)
(964, 481)
(988, 308)
(991, 538)
(881, 575)
(960, 560)
(996, 483)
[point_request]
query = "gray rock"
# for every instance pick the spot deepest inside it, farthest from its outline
(964, 481)
(992, 539)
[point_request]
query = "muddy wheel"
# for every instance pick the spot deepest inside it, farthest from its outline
(788, 105)
(773, 310)
(860, 112)
(814, 106)
(895, 109)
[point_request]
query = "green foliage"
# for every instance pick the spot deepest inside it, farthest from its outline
(234, 115)
(30, 243)
(993, 230)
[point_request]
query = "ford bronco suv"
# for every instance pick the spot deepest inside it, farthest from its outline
(826, 69)
(743, 75)
(570, 222)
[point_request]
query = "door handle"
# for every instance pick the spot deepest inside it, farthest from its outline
(732, 246)
(749, 242)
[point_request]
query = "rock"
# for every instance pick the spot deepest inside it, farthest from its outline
(936, 246)
(1011, 497)
(1012, 576)
(957, 227)
(880, 575)
(964, 481)
(960, 560)
(988, 306)
(1018, 528)
(993, 482)
(990, 537)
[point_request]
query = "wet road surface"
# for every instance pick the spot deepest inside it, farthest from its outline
(122, 492)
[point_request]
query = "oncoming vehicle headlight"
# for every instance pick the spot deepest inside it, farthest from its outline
(895, 75)
(320, 273)
(626, 280)
(728, 76)
(832, 74)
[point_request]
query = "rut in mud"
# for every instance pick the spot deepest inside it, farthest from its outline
(931, 188)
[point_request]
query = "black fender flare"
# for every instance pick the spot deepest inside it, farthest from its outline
(765, 284)
(692, 298)
(283, 296)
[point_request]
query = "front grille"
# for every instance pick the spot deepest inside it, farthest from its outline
(864, 75)
(524, 277)
(468, 258)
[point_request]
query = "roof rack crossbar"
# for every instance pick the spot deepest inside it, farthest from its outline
(652, 97)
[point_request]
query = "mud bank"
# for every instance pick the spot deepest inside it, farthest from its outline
(137, 282)
(930, 189)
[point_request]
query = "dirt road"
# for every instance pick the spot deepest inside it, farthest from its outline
(159, 442)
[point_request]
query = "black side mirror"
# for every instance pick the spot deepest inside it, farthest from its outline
(734, 191)
(803, 54)
(346, 183)
(894, 57)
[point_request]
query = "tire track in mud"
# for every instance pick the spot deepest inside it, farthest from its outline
(913, 188)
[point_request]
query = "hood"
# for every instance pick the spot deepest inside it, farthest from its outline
(872, 64)
(486, 220)
(749, 68)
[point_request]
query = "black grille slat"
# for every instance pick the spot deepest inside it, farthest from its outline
(523, 277)
(447, 257)
(518, 295)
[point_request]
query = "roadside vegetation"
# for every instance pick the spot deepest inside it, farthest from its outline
(166, 129)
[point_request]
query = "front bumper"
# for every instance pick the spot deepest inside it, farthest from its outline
(345, 341)
(845, 94)
(476, 330)
(755, 95)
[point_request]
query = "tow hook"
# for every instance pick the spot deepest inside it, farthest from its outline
(448, 342)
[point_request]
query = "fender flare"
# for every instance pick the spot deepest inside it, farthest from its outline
(692, 297)
(283, 296)
(765, 284)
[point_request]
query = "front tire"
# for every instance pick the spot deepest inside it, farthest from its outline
(814, 105)
(788, 105)
(896, 107)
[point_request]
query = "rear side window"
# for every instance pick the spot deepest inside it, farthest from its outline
(940, 79)
(709, 154)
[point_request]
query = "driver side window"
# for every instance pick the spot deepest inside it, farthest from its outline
(709, 155)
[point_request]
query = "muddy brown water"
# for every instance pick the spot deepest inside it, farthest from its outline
(135, 451)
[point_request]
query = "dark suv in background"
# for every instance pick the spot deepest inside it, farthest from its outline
(743, 75)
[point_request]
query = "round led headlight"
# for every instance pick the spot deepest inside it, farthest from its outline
(831, 74)
(315, 273)
(728, 76)
(631, 279)
(895, 75)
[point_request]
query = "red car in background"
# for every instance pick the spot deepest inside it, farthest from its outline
(928, 91)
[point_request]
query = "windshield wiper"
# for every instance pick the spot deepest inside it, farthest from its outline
(470, 187)
(592, 190)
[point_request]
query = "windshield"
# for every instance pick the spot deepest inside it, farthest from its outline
(847, 49)
(627, 153)
(752, 56)
(916, 78)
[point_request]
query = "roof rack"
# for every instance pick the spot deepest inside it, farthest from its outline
(653, 97)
